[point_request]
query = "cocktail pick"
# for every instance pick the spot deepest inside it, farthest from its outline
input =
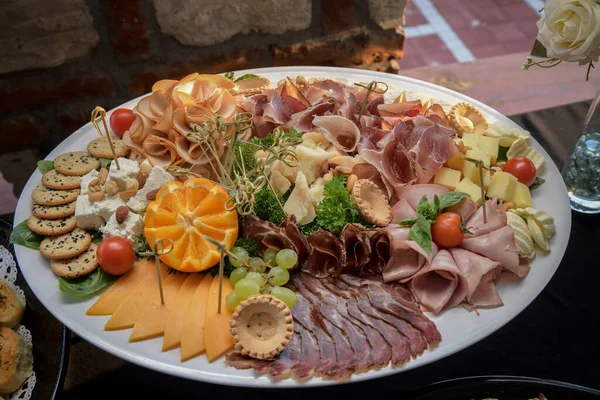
(100, 113)
(371, 87)
(222, 250)
(159, 249)
(480, 165)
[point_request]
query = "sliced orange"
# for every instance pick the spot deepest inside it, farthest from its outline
(183, 212)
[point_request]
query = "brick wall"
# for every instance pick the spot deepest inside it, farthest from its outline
(60, 58)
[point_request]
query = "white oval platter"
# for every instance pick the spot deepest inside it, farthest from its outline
(459, 328)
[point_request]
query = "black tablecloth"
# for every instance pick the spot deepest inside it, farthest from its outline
(556, 337)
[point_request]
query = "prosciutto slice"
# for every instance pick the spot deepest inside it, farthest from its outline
(436, 114)
(440, 285)
(340, 131)
(357, 248)
(302, 121)
(404, 109)
(263, 232)
(396, 166)
(288, 231)
(434, 147)
(275, 110)
(499, 246)
(496, 219)
(407, 258)
(325, 254)
(380, 242)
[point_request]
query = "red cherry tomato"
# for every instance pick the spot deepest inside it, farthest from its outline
(115, 255)
(521, 168)
(446, 232)
(120, 120)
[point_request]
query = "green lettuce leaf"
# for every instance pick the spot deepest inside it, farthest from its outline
(537, 183)
(45, 165)
(86, 285)
(23, 236)
(502, 154)
(105, 162)
(246, 76)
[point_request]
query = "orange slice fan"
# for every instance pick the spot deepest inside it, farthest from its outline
(183, 212)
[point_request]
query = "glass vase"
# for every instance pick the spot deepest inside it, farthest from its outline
(582, 169)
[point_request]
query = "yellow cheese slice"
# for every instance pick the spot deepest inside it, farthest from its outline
(177, 313)
(114, 295)
(155, 316)
(130, 310)
(192, 337)
(217, 338)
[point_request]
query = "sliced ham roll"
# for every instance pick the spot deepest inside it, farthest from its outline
(340, 131)
(496, 219)
(407, 258)
(465, 208)
(486, 295)
(499, 246)
(440, 285)
(414, 193)
(402, 210)
(325, 254)
(473, 267)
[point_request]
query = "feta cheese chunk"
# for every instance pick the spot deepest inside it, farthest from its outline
(157, 178)
(129, 229)
(87, 178)
(86, 214)
(129, 169)
(107, 207)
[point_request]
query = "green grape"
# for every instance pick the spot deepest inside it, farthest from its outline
(241, 254)
(237, 275)
(278, 276)
(246, 288)
(232, 300)
(269, 256)
(256, 263)
(256, 277)
(284, 294)
(287, 258)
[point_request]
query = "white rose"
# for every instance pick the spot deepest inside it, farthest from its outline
(570, 30)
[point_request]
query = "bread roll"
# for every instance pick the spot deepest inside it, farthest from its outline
(16, 361)
(12, 306)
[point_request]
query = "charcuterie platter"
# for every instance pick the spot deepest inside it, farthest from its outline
(292, 226)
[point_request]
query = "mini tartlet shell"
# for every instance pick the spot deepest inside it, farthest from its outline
(466, 118)
(261, 326)
(372, 203)
(251, 86)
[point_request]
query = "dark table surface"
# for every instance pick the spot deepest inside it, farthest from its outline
(556, 337)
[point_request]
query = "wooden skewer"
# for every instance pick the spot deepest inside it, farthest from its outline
(159, 251)
(480, 165)
(100, 112)
(223, 250)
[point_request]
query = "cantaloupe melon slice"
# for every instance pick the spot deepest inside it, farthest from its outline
(108, 302)
(130, 310)
(217, 338)
(192, 338)
(154, 317)
(179, 310)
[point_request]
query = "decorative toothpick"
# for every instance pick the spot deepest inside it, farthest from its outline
(222, 250)
(372, 87)
(100, 113)
(480, 165)
(159, 249)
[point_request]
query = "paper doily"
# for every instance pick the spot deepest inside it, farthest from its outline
(8, 271)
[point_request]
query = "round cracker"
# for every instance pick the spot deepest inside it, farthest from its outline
(55, 180)
(100, 148)
(53, 212)
(65, 246)
(50, 197)
(76, 163)
(51, 227)
(80, 265)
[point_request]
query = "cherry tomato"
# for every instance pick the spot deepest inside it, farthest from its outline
(120, 120)
(446, 232)
(521, 168)
(115, 255)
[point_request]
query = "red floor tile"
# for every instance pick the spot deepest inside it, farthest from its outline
(413, 16)
(488, 50)
(487, 11)
(459, 19)
(476, 36)
(507, 31)
(448, 6)
(517, 46)
(529, 28)
(520, 11)
(430, 49)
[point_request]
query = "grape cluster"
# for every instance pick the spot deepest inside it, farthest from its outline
(266, 275)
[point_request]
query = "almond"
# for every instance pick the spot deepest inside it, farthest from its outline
(141, 178)
(151, 195)
(127, 194)
(121, 214)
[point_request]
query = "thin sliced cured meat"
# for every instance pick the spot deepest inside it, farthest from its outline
(325, 254)
(288, 231)
(496, 218)
(348, 108)
(240, 361)
(434, 148)
(465, 208)
(263, 232)
(310, 355)
(357, 248)
(340, 131)
(436, 114)
(440, 285)
(406, 256)
(486, 295)
(288, 358)
(473, 268)
(500, 246)
(381, 243)
(404, 109)
(302, 121)
(370, 172)
(275, 110)
(414, 193)
(402, 210)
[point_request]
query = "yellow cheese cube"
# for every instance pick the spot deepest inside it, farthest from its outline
(522, 196)
(473, 190)
(471, 171)
(471, 139)
(487, 178)
(447, 177)
(489, 145)
(478, 154)
(456, 162)
(503, 186)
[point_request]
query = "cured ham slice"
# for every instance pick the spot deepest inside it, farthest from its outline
(499, 246)
(407, 258)
(414, 193)
(465, 208)
(340, 131)
(434, 148)
(349, 108)
(402, 210)
(440, 285)
(302, 121)
(436, 114)
(325, 254)
(473, 268)
(380, 242)
(370, 172)
(404, 109)
(159, 151)
(275, 111)
(356, 248)
(496, 219)
(261, 231)
(288, 230)
(486, 295)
